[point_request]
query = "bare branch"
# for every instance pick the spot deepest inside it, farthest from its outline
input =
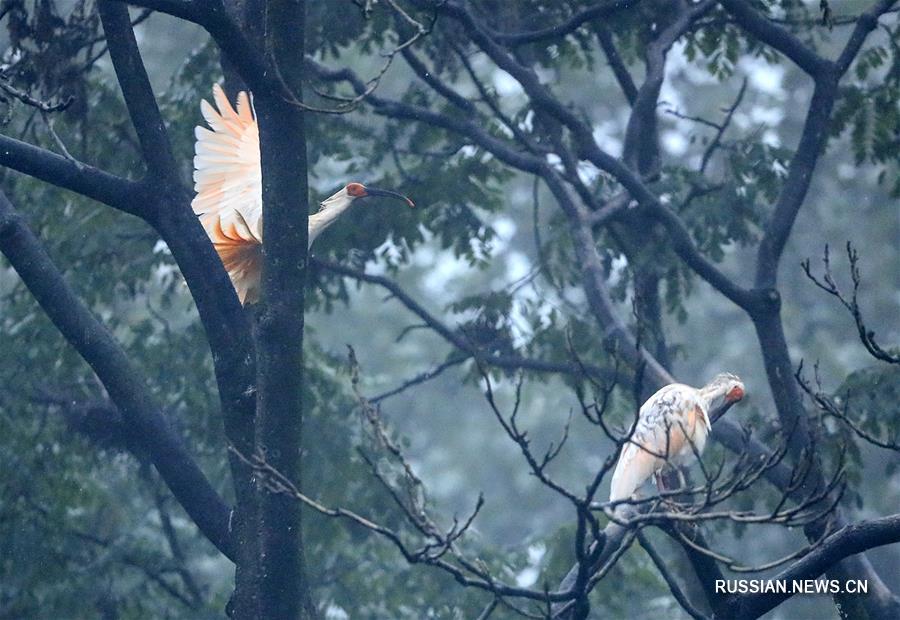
(502, 149)
(538, 466)
(42, 106)
(454, 360)
(455, 338)
(828, 406)
(432, 552)
(720, 131)
(348, 104)
(830, 286)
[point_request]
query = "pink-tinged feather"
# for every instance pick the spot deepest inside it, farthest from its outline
(634, 467)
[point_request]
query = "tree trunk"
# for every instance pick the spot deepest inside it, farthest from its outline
(270, 580)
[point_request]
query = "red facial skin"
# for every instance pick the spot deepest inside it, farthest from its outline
(734, 395)
(356, 189)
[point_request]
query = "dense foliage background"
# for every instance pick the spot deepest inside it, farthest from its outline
(86, 527)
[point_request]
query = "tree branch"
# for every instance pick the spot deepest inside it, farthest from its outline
(669, 578)
(829, 285)
(214, 18)
(776, 37)
(542, 97)
(455, 338)
(623, 77)
(846, 542)
(135, 85)
(427, 75)
(121, 379)
(826, 74)
(503, 150)
(603, 9)
(641, 150)
(62, 172)
(865, 24)
(226, 326)
(527, 162)
(800, 171)
(284, 590)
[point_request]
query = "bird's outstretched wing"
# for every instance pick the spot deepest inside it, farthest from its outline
(228, 182)
(227, 173)
(666, 424)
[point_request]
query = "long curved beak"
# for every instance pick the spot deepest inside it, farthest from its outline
(718, 410)
(374, 191)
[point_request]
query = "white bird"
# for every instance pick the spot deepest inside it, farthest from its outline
(228, 182)
(668, 425)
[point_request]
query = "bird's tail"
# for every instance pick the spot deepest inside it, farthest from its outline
(634, 467)
(240, 251)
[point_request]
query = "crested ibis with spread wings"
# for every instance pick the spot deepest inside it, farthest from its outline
(671, 428)
(228, 182)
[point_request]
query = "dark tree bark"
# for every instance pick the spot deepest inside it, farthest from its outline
(284, 591)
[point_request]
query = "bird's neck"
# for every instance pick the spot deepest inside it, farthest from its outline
(331, 210)
(713, 392)
(711, 395)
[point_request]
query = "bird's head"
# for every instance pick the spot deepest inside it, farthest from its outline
(332, 207)
(723, 391)
(728, 386)
(358, 190)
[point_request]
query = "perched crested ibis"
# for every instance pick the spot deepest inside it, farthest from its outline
(671, 428)
(228, 182)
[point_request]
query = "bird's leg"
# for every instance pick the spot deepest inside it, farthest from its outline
(682, 481)
(662, 487)
(660, 481)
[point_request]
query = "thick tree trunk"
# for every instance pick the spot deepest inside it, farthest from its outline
(283, 589)
(270, 578)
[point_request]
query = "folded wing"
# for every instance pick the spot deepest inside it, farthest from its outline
(666, 425)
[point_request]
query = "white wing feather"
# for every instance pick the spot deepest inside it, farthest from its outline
(227, 171)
